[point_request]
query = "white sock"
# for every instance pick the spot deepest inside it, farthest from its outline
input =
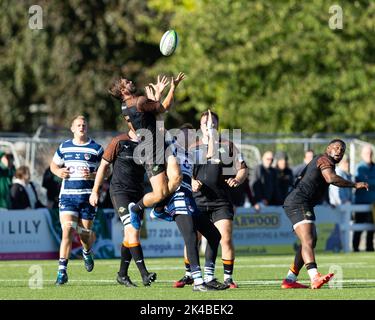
(312, 273)
(188, 274)
(227, 276)
(291, 276)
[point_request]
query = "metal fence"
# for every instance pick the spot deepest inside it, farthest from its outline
(37, 151)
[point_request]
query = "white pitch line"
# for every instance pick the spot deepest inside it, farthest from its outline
(164, 267)
(254, 282)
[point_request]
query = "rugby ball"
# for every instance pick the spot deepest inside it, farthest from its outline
(168, 42)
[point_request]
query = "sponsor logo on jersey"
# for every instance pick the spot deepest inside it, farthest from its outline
(87, 156)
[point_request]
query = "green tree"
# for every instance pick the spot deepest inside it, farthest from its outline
(276, 66)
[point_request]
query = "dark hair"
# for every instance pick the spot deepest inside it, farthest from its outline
(115, 89)
(337, 141)
(186, 125)
(21, 172)
(205, 114)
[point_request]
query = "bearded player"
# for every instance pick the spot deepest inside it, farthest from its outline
(309, 189)
(141, 113)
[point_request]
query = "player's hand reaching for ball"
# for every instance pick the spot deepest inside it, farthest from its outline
(94, 198)
(361, 185)
(175, 82)
(159, 87)
(63, 173)
(150, 93)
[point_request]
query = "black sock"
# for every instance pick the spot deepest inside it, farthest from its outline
(228, 267)
(137, 253)
(311, 265)
(126, 257)
(63, 264)
(139, 207)
(187, 267)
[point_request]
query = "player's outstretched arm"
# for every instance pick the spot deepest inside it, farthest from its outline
(332, 178)
(168, 101)
(100, 175)
(159, 87)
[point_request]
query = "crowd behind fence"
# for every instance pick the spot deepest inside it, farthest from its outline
(37, 151)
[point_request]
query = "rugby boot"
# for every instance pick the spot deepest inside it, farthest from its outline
(320, 279)
(289, 284)
(185, 280)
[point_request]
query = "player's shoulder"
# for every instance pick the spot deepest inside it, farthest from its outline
(66, 144)
(119, 138)
(324, 160)
(94, 145)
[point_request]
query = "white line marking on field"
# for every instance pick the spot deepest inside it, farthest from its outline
(253, 282)
(164, 267)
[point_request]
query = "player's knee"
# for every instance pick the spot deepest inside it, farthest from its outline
(68, 227)
(84, 233)
(160, 194)
(226, 242)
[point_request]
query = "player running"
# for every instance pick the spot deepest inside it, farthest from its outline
(140, 113)
(76, 161)
(126, 187)
(181, 208)
(299, 205)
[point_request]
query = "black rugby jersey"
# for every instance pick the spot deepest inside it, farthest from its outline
(312, 187)
(128, 174)
(214, 190)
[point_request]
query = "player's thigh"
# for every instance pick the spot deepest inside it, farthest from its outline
(306, 233)
(225, 227)
(68, 214)
(159, 183)
(207, 228)
(173, 168)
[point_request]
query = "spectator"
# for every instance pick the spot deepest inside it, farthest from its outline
(23, 194)
(6, 175)
(297, 170)
(52, 184)
(264, 182)
(285, 176)
(365, 171)
(337, 195)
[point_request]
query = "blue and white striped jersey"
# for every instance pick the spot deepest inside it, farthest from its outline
(78, 158)
(186, 161)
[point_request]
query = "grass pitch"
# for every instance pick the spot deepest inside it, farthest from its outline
(258, 277)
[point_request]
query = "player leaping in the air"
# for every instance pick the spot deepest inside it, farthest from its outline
(140, 113)
(181, 207)
(309, 189)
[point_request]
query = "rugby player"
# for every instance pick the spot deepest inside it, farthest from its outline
(127, 185)
(76, 161)
(181, 208)
(210, 190)
(299, 205)
(140, 113)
